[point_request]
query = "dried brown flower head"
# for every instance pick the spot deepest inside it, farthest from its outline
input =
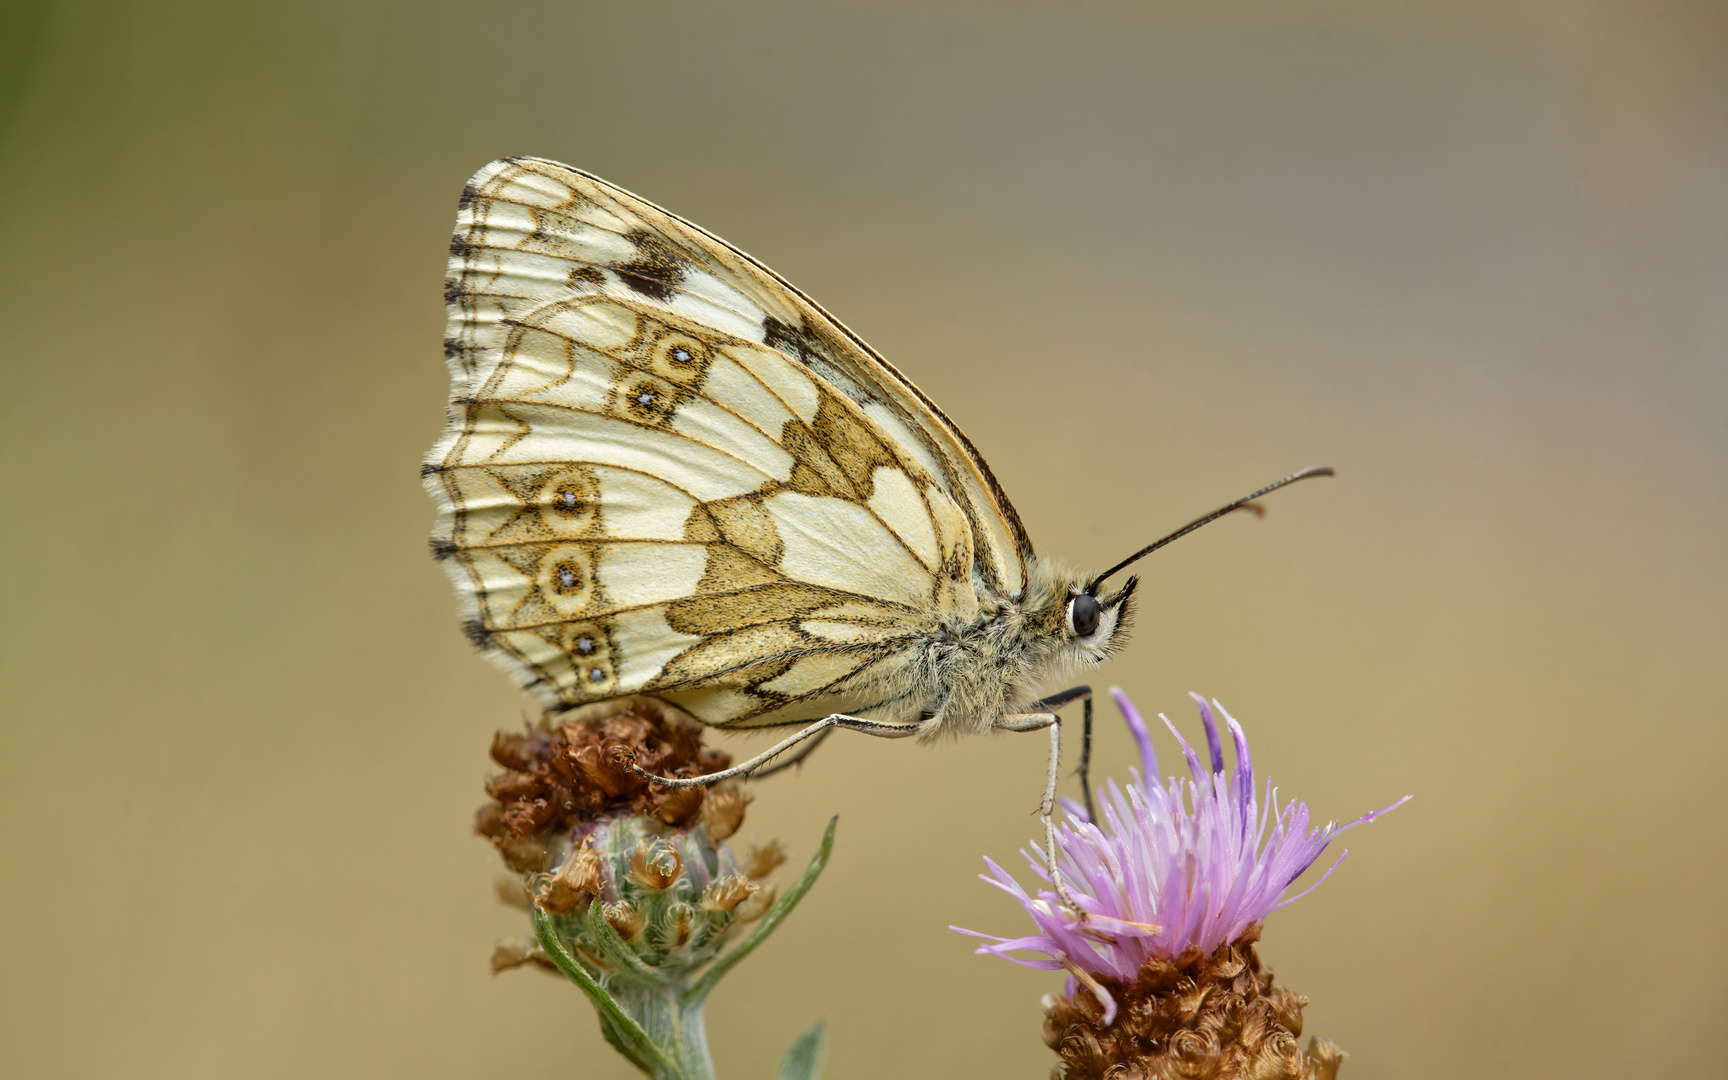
(558, 777)
(1196, 1017)
(579, 832)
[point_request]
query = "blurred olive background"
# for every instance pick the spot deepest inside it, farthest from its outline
(1474, 255)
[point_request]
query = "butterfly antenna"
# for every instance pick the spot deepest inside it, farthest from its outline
(1244, 501)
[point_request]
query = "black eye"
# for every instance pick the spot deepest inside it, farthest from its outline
(1083, 615)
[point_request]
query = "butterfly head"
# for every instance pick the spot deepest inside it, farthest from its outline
(1085, 622)
(1097, 620)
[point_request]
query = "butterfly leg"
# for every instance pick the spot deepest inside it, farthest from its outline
(819, 728)
(1045, 717)
(1085, 769)
(795, 757)
(1050, 705)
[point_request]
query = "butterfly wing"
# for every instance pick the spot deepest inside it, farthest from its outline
(666, 259)
(640, 493)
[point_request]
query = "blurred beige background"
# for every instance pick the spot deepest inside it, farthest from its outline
(1474, 255)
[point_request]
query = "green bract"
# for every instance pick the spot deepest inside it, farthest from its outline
(652, 945)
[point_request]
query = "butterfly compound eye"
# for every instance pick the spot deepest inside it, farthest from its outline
(1083, 615)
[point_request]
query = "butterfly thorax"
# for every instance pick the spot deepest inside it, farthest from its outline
(1016, 650)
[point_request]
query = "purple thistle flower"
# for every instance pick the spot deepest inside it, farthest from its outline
(1192, 864)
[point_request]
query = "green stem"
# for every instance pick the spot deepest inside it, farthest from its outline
(654, 1001)
(678, 1030)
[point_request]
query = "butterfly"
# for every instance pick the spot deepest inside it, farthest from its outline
(668, 472)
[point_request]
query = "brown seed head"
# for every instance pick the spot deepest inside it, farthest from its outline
(1215, 1017)
(554, 778)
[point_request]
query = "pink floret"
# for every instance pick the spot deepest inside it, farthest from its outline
(1195, 862)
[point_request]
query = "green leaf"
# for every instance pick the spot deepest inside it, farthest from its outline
(772, 919)
(624, 1033)
(804, 1060)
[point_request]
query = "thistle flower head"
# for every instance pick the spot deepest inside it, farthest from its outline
(633, 889)
(1178, 866)
(636, 878)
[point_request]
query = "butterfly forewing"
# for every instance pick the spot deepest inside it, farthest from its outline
(568, 225)
(669, 472)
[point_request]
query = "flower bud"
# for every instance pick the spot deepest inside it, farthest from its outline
(656, 864)
(511, 953)
(762, 859)
(624, 918)
(680, 805)
(1324, 1057)
(728, 893)
(523, 854)
(680, 918)
(573, 884)
(723, 811)
(756, 906)
(512, 893)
